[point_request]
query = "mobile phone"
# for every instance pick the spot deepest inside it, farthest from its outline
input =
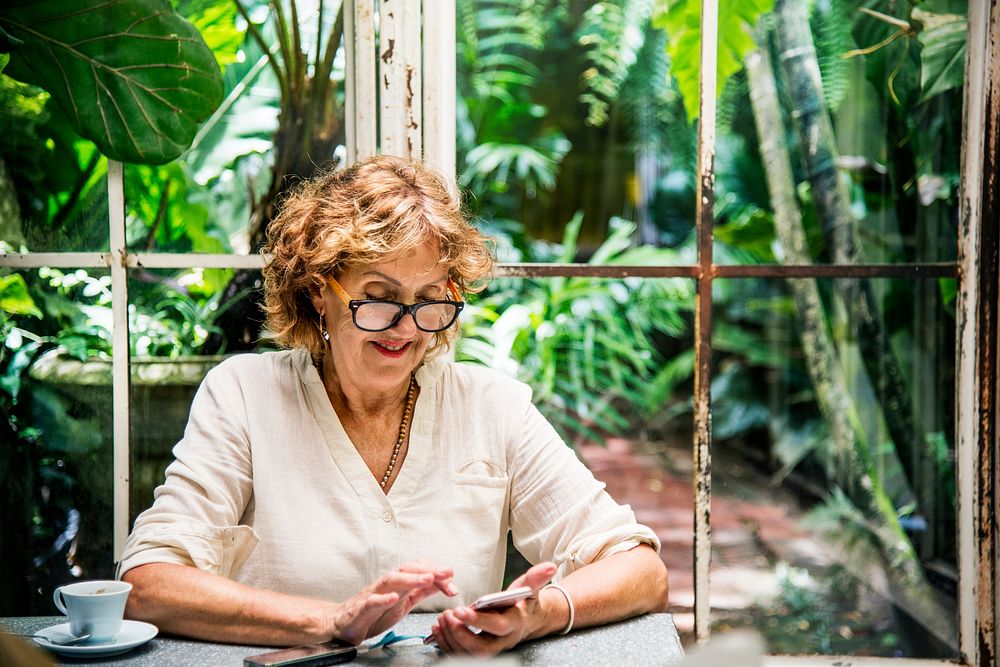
(310, 655)
(502, 599)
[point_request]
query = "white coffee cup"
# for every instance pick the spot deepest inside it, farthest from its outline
(93, 607)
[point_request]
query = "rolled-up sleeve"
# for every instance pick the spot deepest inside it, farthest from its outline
(559, 511)
(195, 516)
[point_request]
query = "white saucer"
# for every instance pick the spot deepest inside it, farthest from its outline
(132, 634)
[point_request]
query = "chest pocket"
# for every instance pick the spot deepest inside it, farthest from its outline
(478, 503)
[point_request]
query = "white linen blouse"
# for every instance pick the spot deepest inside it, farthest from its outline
(267, 489)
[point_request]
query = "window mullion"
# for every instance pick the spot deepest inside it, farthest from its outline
(439, 85)
(703, 318)
(977, 333)
(119, 354)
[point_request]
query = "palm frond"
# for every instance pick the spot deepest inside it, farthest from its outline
(612, 35)
(831, 24)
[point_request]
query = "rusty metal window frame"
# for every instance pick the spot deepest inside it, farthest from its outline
(977, 268)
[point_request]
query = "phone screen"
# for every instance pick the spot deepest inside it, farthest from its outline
(311, 655)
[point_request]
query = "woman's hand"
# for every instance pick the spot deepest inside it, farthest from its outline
(381, 605)
(500, 630)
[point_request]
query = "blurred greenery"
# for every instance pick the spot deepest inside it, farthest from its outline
(584, 345)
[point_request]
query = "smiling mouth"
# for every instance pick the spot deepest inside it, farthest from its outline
(391, 347)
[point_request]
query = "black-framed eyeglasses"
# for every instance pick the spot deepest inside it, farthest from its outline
(380, 315)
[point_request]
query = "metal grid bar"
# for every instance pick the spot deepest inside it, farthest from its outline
(704, 219)
(915, 271)
(119, 357)
(516, 270)
(183, 261)
(940, 270)
(35, 260)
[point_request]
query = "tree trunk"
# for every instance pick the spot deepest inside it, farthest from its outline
(832, 203)
(856, 467)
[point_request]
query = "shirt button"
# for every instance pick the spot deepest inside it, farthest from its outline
(386, 516)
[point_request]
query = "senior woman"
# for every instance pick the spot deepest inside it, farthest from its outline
(327, 490)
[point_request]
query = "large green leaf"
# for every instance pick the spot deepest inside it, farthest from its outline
(681, 19)
(132, 76)
(942, 58)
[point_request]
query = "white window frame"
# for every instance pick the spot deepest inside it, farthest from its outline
(433, 111)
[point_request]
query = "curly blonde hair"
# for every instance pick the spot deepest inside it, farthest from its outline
(365, 214)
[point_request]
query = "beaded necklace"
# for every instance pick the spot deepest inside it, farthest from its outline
(411, 393)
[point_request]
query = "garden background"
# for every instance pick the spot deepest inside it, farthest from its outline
(839, 130)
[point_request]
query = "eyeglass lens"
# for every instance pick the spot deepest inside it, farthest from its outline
(381, 315)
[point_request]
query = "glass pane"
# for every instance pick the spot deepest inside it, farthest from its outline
(168, 211)
(570, 115)
(862, 159)
(53, 185)
(57, 490)
(217, 197)
(834, 504)
(182, 323)
(610, 365)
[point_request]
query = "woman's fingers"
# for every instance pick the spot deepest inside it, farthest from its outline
(536, 576)
(361, 613)
(442, 641)
(403, 582)
(459, 639)
(496, 623)
(442, 575)
(499, 630)
(383, 603)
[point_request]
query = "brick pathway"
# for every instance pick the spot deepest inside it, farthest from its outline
(753, 524)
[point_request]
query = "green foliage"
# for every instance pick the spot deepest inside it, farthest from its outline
(166, 217)
(18, 344)
(612, 34)
(166, 322)
(806, 602)
(496, 39)
(831, 24)
(504, 134)
(942, 36)
(682, 21)
(839, 521)
(892, 65)
(215, 21)
(497, 165)
(14, 298)
(179, 325)
(130, 75)
(582, 344)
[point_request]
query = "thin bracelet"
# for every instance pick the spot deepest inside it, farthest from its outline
(569, 601)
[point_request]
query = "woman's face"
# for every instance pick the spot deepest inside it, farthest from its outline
(383, 360)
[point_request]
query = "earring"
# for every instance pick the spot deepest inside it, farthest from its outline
(322, 328)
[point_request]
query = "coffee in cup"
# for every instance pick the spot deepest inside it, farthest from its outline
(94, 608)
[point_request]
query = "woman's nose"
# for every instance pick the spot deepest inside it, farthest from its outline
(406, 325)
